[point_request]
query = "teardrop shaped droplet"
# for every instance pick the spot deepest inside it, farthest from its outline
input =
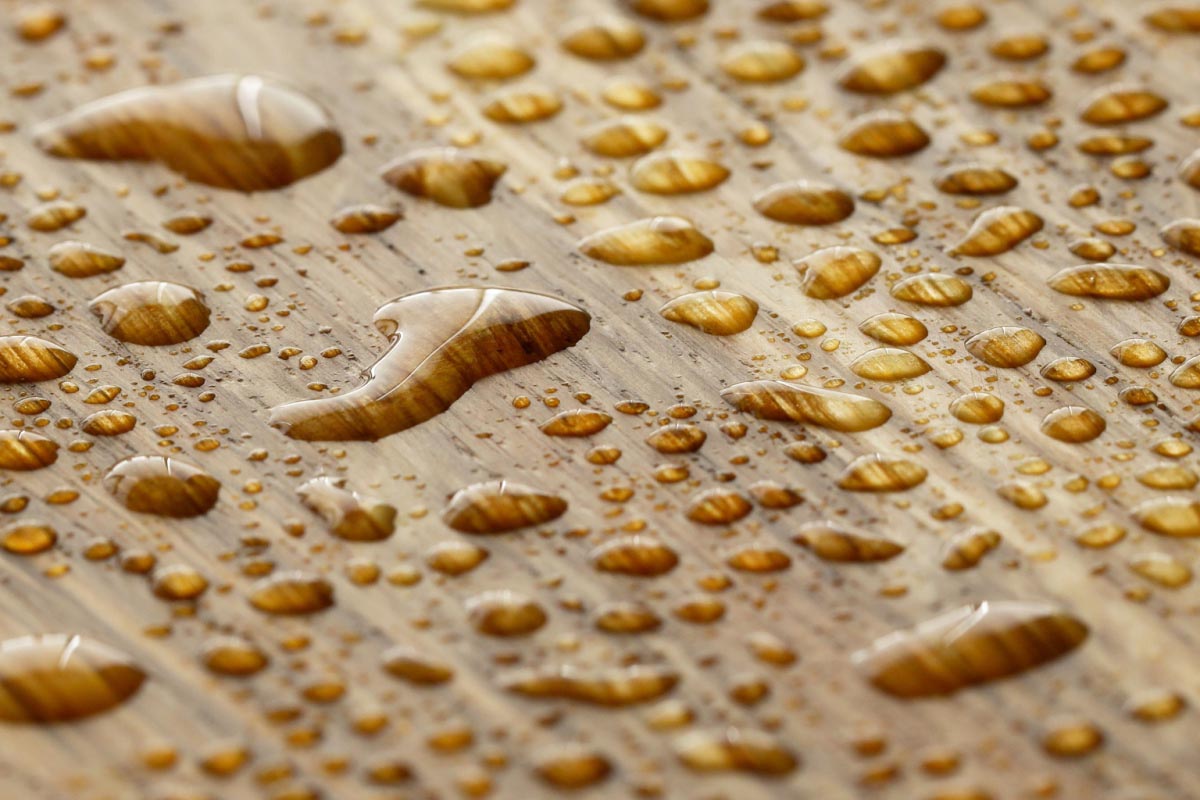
(834, 272)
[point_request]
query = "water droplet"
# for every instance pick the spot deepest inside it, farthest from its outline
(716, 313)
(676, 172)
(833, 272)
(625, 137)
(603, 38)
(762, 61)
(1117, 105)
(997, 231)
(1012, 93)
(1177, 517)
(350, 515)
(505, 613)
(108, 422)
(891, 67)
(970, 645)
(576, 422)
(27, 537)
(80, 260)
(832, 542)
(54, 216)
(933, 289)
(446, 175)
(889, 364)
(523, 105)
(878, 473)
(25, 450)
(804, 203)
(1175, 19)
(602, 687)
(1006, 347)
(442, 342)
(634, 555)
(152, 313)
(163, 486)
(717, 507)
(883, 134)
(895, 329)
(58, 678)
(490, 55)
(291, 594)
(365, 218)
(1183, 235)
(975, 179)
(1162, 569)
(571, 766)
(735, 750)
(977, 408)
(669, 10)
(968, 548)
(1187, 374)
(499, 506)
(645, 242)
(794, 402)
(235, 132)
(1110, 281)
(416, 666)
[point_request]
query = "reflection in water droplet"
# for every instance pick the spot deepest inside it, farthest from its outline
(795, 402)
(1177, 517)
(1007, 347)
(833, 272)
(603, 38)
(292, 593)
(735, 750)
(234, 132)
(499, 506)
(804, 203)
(1117, 105)
(883, 134)
(571, 766)
(933, 289)
(877, 473)
(442, 342)
(891, 67)
(676, 172)
(152, 313)
(892, 328)
(602, 687)
(490, 55)
(762, 61)
(163, 486)
(622, 138)
(58, 678)
(80, 260)
(975, 179)
(365, 218)
(1012, 93)
(26, 450)
(889, 364)
(970, 645)
(446, 175)
(634, 555)
(647, 242)
(832, 542)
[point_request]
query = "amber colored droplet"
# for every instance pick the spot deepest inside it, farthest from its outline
(1187, 374)
(1110, 281)
(1138, 353)
(892, 328)
(466, 6)
(365, 218)
(108, 422)
(188, 223)
(889, 364)
(152, 313)
(36, 22)
(1006, 347)
(576, 422)
(676, 172)
(1175, 19)
(877, 473)
(505, 613)
(1162, 569)
(833, 272)
(832, 542)
(1156, 705)
(27, 537)
(292, 593)
(967, 549)
(646, 242)
(350, 515)
(792, 10)
(669, 10)
(1101, 59)
(446, 175)
(717, 507)
(970, 645)
(1020, 47)
(762, 61)
(1092, 249)
(442, 342)
(933, 289)
(523, 105)
(634, 555)
(571, 766)
(602, 687)
(59, 678)
(962, 17)
(1012, 93)
(1183, 235)
(757, 558)
(977, 408)
(26, 450)
(1067, 369)
(677, 438)
(794, 402)
(891, 67)
(235, 132)
(499, 506)
(416, 666)
(1114, 145)
(80, 260)
(1118, 105)
(163, 486)
(714, 312)
(998, 230)
(975, 179)
(603, 38)
(804, 203)
(1177, 517)
(622, 138)
(589, 191)
(733, 749)
(631, 94)
(54, 216)
(490, 55)
(883, 134)
(1169, 477)
(624, 617)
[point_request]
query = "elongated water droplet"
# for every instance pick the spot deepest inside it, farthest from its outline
(892, 328)
(442, 342)
(714, 312)
(1007, 347)
(365, 218)
(647, 242)
(795, 402)
(603, 38)
(762, 62)
(891, 67)
(235, 132)
(1110, 281)
(676, 172)
(1073, 424)
(832, 542)
(804, 203)
(292, 594)
(163, 486)
(1012, 93)
(975, 179)
(998, 230)
(878, 473)
(79, 260)
(933, 289)
(735, 750)
(883, 134)
(1183, 235)
(1177, 517)
(634, 555)
(1117, 105)
(970, 645)
(889, 364)
(622, 138)
(576, 422)
(446, 175)
(833, 272)
(602, 687)
(499, 506)
(490, 55)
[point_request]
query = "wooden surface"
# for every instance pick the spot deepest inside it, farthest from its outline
(391, 93)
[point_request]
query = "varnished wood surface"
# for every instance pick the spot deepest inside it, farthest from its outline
(391, 94)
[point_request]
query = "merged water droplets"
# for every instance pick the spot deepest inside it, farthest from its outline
(602, 687)
(235, 132)
(442, 342)
(350, 515)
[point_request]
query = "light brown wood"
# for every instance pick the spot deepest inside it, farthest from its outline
(390, 92)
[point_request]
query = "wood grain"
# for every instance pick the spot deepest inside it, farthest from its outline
(391, 93)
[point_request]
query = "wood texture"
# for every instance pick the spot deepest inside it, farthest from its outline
(390, 93)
